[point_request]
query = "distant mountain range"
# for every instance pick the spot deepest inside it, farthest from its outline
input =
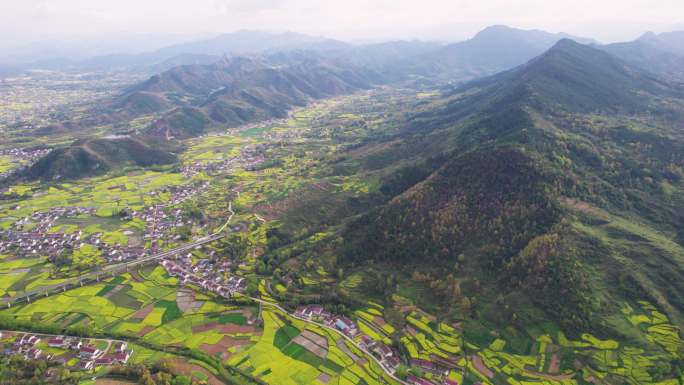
(238, 90)
(661, 54)
(293, 69)
(494, 49)
(54, 52)
(195, 52)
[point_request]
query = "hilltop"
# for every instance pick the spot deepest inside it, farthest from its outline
(527, 181)
(495, 48)
(89, 157)
(661, 54)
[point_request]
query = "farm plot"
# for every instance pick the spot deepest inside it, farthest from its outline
(312, 342)
(291, 352)
(547, 362)
(103, 306)
(430, 341)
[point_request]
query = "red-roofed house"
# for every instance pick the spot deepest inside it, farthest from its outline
(122, 357)
(56, 342)
(120, 347)
(89, 352)
(104, 361)
(85, 364)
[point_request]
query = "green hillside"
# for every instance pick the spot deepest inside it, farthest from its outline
(238, 91)
(560, 184)
(90, 157)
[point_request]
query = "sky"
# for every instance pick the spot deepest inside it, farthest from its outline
(22, 21)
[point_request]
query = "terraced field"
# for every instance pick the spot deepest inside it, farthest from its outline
(283, 355)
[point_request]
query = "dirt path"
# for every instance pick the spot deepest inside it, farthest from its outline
(554, 365)
(186, 301)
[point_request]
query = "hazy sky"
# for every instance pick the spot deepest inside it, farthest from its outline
(22, 20)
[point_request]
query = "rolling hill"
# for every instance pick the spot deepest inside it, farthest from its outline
(236, 91)
(89, 157)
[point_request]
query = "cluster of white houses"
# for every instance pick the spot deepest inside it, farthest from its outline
(41, 221)
(249, 158)
(39, 241)
(24, 157)
(32, 235)
(388, 357)
(159, 223)
(25, 346)
(89, 356)
(206, 274)
(319, 314)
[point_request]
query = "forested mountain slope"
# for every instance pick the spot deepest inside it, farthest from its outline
(661, 54)
(560, 185)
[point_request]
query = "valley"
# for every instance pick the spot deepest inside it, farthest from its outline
(316, 221)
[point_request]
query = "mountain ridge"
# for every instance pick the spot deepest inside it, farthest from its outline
(241, 90)
(519, 149)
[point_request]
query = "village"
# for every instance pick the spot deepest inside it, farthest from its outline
(34, 235)
(74, 352)
(388, 357)
(250, 157)
(22, 158)
(201, 269)
(206, 274)
(37, 98)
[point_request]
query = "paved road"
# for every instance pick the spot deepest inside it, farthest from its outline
(113, 269)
